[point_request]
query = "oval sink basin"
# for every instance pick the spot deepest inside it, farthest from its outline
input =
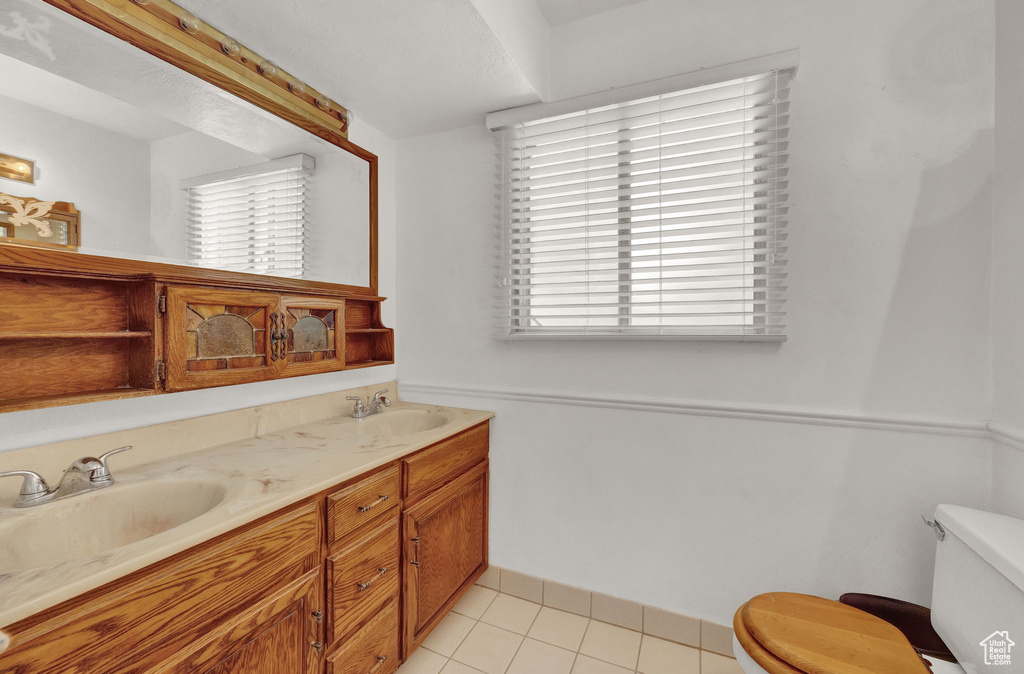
(90, 524)
(401, 422)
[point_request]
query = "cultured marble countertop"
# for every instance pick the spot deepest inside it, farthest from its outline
(260, 474)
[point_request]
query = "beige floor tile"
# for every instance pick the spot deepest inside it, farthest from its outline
(423, 662)
(712, 663)
(511, 613)
(560, 628)
(488, 648)
(475, 602)
(458, 668)
(535, 657)
(491, 578)
(613, 644)
(447, 636)
(587, 665)
(658, 656)
(621, 612)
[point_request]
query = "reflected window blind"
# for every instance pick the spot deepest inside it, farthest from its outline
(657, 217)
(252, 219)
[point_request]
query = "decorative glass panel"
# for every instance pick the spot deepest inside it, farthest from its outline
(310, 334)
(224, 336)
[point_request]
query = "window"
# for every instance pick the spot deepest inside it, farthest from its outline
(660, 216)
(252, 219)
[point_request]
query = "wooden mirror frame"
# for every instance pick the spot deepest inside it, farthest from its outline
(156, 26)
(78, 328)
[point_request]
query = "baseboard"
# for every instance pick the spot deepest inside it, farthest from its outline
(650, 620)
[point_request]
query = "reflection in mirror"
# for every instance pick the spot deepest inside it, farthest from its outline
(31, 222)
(166, 167)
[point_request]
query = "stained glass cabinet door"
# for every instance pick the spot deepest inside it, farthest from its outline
(315, 329)
(221, 337)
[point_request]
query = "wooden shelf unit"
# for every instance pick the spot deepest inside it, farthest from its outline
(367, 342)
(100, 331)
(70, 339)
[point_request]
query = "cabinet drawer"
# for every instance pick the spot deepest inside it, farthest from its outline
(366, 501)
(131, 628)
(373, 650)
(445, 461)
(362, 577)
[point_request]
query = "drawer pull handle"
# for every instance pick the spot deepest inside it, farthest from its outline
(318, 645)
(365, 586)
(368, 508)
(380, 661)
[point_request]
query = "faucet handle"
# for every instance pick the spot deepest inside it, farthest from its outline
(33, 484)
(378, 394)
(102, 474)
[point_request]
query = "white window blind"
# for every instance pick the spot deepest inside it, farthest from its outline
(662, 216)
(251, 219)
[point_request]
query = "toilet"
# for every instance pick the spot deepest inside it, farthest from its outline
(977, 609)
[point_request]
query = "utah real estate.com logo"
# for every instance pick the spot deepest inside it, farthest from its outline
(997, 648)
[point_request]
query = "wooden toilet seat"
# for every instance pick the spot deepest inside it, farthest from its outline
(788, 633)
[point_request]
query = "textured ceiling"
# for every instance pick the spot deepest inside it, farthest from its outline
(558, 12)
(405, 66)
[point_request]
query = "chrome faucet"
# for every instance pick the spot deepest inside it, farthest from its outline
(83, 475)
(375, 406)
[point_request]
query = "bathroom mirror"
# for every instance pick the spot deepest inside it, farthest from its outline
(167, 167)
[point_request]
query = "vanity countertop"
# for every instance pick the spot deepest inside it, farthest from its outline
(259, 475)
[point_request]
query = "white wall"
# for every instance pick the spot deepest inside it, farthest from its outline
(35, 427)
(891, 160)
(186, 155)
(104, 174)
(1008, 263)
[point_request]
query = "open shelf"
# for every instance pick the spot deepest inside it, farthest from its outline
(67, 340)
(367, 363)
(17, 404)
(76, 334)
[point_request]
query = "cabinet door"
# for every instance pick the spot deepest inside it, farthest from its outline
(445, 551)
(283, 633)
(220, 337)
(315, 335)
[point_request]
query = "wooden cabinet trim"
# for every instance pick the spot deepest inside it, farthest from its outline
(429, 468)
(362, 503)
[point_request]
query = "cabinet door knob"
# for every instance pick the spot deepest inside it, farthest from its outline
(380, 661)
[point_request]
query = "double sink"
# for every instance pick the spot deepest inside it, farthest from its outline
(140, 507)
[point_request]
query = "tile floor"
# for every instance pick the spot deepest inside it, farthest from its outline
(494, 633)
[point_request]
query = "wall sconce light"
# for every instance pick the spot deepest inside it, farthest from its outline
(17, 168)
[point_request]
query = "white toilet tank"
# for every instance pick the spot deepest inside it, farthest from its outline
(978, 594)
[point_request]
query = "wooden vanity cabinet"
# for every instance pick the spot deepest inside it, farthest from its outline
(347, 582)
(444, 529)
(209, 609)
